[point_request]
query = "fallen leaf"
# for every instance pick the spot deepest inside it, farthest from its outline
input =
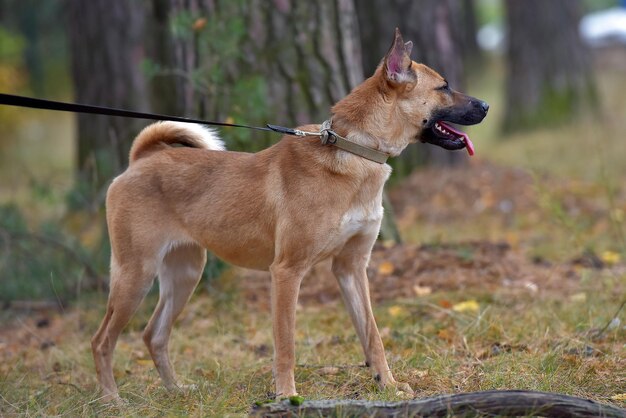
(403, 395)
(199, 24)
(617, 215)
(385, 268)
(328, 371)
(422, 290)
(389, 243)
(578, 297)
(444, 303)
(619, 397)
(610, 257)
(446, 334)
(466, 306)
(396, 311)
(138, 354)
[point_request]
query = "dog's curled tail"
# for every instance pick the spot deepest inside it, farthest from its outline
(160, 135)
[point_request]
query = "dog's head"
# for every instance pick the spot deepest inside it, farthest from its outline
(406, 102)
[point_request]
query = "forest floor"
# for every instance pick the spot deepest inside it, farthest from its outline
(512, 275)
(501, 292)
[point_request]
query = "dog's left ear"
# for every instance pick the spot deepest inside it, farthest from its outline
(397, 62)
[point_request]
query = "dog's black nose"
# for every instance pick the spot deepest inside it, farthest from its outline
(485, 106)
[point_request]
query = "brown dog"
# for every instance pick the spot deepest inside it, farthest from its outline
(282, 209)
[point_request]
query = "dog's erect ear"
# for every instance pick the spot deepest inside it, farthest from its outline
(408, 47)
(398, 62)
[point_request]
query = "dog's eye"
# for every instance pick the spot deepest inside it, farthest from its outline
(445, 87)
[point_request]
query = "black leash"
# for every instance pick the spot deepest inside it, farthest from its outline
(22, 101)
(326, 134)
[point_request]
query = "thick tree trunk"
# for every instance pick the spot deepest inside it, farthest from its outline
(106, 40)
(313, 55)
(489, 403)
(435, 27)
(548, 74)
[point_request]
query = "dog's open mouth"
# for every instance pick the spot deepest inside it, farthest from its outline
(447, 137)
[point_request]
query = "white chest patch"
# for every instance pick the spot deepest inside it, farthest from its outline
(361, 219)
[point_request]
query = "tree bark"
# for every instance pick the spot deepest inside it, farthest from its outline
(504, 403)
(313, 55)
(472, 55)
(106, 43)
(548, 72)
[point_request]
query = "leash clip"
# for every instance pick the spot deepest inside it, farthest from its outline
(327, 136)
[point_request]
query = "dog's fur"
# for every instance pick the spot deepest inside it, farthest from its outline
(282, 209)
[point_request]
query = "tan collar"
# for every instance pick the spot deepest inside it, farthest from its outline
(328, 136)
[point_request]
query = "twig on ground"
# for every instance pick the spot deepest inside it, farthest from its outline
(599, 334)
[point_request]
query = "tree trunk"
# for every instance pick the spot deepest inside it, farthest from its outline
(313, 55)
(548, 74)
(106, 43)
(472, 55)
(434, 26)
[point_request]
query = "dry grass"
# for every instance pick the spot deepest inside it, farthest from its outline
(519, 340)
(529, 337)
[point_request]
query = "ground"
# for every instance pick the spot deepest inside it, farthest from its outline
(511, 276)
(500, 292)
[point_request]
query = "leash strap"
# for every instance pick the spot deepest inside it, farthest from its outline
(326, 134)
(21, 101)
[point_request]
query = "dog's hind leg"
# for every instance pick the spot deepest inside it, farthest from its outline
(179, 274)
(349, 267)
(129, 285)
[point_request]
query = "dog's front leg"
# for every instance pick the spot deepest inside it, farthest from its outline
(349, 268)
(285, 287)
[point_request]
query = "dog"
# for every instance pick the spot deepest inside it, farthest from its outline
(282, 209)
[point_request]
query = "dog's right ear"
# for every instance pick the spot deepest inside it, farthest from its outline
(397, 62)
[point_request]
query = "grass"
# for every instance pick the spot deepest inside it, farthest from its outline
(515, 341)
(518, 339)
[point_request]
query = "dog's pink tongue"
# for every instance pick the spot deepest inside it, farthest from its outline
(468, 142)
(468, 145)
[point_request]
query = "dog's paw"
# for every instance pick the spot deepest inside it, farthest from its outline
(286, 395)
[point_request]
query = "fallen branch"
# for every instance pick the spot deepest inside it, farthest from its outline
(495, 402)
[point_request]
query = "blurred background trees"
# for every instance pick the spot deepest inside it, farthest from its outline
(253, 62)
(548, 66)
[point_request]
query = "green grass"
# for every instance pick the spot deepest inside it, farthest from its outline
(515, 341)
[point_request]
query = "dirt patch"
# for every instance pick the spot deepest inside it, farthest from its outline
(405, 271)
(483, 190)
(439, 194)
